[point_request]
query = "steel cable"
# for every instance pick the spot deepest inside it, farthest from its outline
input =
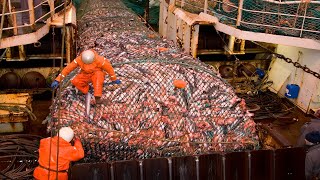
(19, 155)
(271, 106)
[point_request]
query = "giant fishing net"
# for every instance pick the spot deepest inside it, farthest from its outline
(146, 116)
(288, 18)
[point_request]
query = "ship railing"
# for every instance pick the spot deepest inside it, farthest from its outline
(14, 17)
(287, 18)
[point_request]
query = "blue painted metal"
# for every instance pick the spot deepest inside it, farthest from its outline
(292, 91)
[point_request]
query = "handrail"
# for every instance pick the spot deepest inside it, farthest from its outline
(28, 25)
(236, 20)
(2, 17)
(304, 19)
(290, 2)
(22, 11)
(49, 12)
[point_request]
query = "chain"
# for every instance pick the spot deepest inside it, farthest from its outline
(288, 60)
(298, 65)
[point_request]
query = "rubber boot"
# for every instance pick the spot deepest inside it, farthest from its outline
(98, 100)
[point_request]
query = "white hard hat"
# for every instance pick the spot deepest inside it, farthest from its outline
(66, 133)
(87, 56)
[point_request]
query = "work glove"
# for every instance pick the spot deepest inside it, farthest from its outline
(116, 82)
(77, 141)
(55, 84)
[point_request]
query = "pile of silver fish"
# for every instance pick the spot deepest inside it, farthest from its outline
(119, 35)
(146, 116)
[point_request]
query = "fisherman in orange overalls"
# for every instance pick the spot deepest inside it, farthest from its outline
(92, 66)
(47, 169)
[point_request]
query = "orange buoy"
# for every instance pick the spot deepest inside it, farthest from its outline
(151, 36)
(162, 49)
(178, 83)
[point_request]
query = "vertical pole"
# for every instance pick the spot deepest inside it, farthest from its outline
(197, 167)
(14, 21)
(161, 18)
(186, 37)
(9, 6)
(171, 23)
(194, 40)
(304, 18)
(72, 43)
(231, 44)
(8, 53)
(31, 13)
(68, 44)
(51, 5)
(223, 167)
(62, 80)
(239, 17)
(22, 53)
(170, 168)
(141, 170)
(205, 9)
(242, 45)
(111, 168)
(10, 10)
(146, 11)
(249, 166)
(13, 18)
(4, 3)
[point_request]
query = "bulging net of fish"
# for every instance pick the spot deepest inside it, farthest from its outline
(147, 116)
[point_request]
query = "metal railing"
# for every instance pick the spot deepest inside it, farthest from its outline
(11, 15)
(289, 18)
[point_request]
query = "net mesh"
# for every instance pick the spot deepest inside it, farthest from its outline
(139, 8)
(287, 18)
(146, 115)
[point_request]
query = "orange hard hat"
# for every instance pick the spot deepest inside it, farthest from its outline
(178, 83)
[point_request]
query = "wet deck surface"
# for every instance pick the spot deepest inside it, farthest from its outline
(40, 105)
(289, 129)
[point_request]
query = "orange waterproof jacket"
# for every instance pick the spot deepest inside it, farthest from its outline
(99, 63)
(67, 153)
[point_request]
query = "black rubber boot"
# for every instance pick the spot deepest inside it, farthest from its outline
(98, 100)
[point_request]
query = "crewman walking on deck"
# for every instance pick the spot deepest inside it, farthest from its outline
(48, 152)
(92, 66)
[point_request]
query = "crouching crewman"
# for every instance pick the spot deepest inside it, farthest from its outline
(48, 161)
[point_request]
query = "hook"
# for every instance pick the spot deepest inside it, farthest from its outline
(37, 44)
